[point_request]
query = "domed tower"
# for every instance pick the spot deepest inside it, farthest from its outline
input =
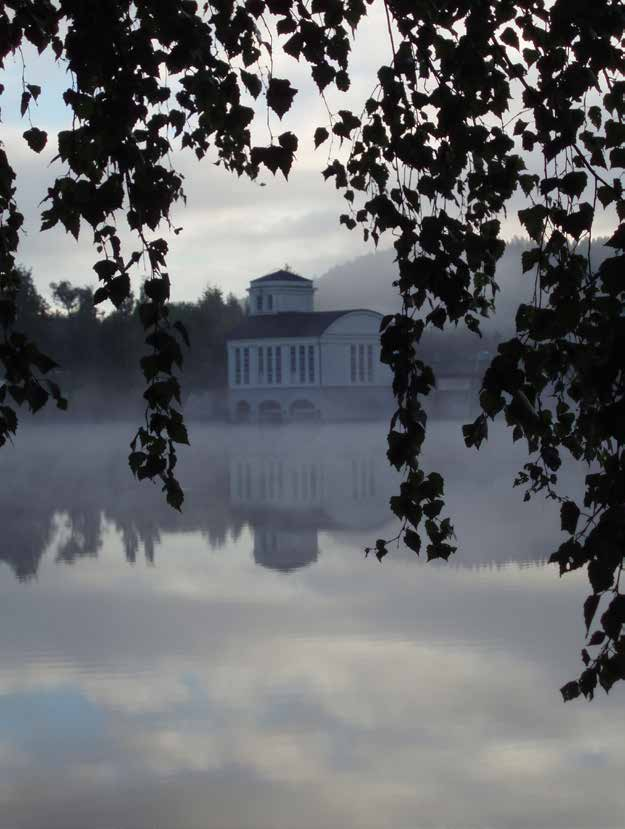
(278, 292)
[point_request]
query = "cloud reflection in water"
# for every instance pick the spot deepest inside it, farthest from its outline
(208, 691)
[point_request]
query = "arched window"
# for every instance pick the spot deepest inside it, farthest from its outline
(270, 411)
(243, 411)
(303, 410)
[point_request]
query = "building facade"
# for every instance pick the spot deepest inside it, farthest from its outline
(289, 362)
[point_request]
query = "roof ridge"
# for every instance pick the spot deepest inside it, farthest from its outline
(288, 324)
(281, 275)
(325, 311)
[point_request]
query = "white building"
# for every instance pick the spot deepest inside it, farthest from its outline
(289, 362)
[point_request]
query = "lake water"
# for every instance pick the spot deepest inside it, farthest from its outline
(243, 665)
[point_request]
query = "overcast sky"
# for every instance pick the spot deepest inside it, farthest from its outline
(233, 229)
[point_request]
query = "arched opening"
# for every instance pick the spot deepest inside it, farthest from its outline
(270, 411)
(243, 412)
(303, 410)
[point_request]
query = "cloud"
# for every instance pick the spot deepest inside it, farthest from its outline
(234, 229)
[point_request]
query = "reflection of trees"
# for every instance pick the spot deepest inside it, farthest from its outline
(65, 500)
(85, 535)
(286, 489)
(142, 517)
(26, 533)
(136, 531)
(285, 495)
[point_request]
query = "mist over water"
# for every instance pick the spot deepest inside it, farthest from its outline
(243, 665)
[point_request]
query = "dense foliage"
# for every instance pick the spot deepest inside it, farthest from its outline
(99, 353)
(480, 101)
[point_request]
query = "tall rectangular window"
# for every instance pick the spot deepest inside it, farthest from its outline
(237, 366)
(369, 364)
(261, 364)
(352, 363)
(302, 364)
(278, 364)
(270, 302)
(293, 363)
(246, 366)
(259, 302)
(311, 363)
(361, 363)
(269, 364)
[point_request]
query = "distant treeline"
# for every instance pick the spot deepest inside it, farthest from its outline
(98, 354)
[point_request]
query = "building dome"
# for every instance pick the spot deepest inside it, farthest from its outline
(280, 291)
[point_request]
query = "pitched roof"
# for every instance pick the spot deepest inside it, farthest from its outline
(281, 276)
(286, 324)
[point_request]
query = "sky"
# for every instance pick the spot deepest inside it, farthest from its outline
(233, 230)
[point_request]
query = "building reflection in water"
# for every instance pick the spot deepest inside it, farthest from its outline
(288, 499)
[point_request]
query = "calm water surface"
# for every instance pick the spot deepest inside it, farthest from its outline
(242, 665)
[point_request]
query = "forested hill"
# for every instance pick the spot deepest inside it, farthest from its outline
(367, 282)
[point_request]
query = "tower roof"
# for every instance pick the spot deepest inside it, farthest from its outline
(281, 276)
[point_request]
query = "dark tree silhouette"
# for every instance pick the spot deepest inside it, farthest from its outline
(65, 295)
(100, 354)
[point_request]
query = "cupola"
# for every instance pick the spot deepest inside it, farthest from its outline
(280, 291)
